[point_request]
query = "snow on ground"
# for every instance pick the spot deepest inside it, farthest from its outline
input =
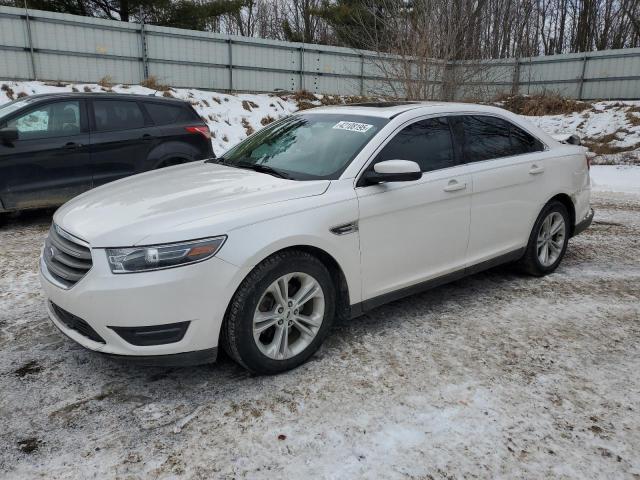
(615, 178)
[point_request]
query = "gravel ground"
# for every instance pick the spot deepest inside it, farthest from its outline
(498, 375)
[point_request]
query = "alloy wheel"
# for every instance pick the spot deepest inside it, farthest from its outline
(288, 316)
(551, 237)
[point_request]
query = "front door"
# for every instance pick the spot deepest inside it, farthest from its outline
(411, 232)
(49, 163)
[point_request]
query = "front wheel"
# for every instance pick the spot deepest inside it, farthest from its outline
(548, 240)
(280, 314)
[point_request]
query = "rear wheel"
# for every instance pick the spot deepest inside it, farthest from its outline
(280, 314)
(548, 240)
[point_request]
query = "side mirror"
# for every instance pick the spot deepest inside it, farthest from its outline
(393, 171)
(8, 135)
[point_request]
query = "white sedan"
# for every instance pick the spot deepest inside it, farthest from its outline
(324, 214)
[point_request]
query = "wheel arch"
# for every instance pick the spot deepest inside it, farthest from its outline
(569, 205)
(338, 276)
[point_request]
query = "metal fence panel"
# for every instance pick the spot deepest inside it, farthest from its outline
(83, 49)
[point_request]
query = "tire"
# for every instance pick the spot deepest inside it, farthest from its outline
(556, 243)
(255, 299)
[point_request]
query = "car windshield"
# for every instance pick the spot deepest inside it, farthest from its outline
(305, 146)
(9, 108)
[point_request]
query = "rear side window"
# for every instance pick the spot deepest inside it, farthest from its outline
(485, 138)
(523, 142)
(427, 142)
(117, 115)
(163, 114)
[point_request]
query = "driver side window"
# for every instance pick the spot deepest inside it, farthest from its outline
(426, 142)
(53, 120)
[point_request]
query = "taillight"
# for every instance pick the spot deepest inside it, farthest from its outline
(201, 129)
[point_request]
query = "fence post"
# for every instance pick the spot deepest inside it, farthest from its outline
(30, 40)
(584, 69)
(362, 75)
(230, 43)
(302, 67)
(515, 87)
(143, 39)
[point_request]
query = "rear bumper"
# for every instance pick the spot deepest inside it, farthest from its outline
(583, 224)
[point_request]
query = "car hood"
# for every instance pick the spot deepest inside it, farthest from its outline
(140, 209)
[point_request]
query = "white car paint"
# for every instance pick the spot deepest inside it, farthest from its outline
(408, 232)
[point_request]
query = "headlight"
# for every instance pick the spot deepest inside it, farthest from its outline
(157, 257)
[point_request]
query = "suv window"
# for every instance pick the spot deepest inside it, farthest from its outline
(117, 115)
(166, 114)
(486, 138)
(56, 119)
(427, 142)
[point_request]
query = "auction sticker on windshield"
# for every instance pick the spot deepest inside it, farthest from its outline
(352, 126)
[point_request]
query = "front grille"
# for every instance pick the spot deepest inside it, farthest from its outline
(67, 260)
(76, 323)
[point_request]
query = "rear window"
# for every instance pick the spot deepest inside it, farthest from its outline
(117, 115)
(485, 138)
(163, 114)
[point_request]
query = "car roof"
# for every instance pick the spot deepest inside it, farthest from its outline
(101, 95)
(393, 109)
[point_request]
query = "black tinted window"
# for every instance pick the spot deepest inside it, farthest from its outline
(166, 114)
(484, 138)
(117, 115)
(427, 142)
(523, 142)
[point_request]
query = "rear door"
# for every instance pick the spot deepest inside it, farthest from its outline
(507, 166)
(50, 161)
(411, 232)
(121, 138)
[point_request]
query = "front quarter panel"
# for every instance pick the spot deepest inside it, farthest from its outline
(308, 225)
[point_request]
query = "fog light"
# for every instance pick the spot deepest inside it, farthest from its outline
(153, 335)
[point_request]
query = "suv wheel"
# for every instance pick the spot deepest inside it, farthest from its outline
(548, 240)
(280, 314)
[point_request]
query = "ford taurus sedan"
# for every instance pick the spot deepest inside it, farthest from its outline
(324, 214)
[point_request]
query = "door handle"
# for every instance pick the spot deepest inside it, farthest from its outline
(454, 186)
(535, 170)
(147, 137)
(72, 145)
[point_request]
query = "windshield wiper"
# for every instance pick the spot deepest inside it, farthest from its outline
(256, 167)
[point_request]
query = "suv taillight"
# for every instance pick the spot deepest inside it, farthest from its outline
(202, 130)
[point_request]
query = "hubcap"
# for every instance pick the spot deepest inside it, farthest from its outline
(551, 239)
(288, 316)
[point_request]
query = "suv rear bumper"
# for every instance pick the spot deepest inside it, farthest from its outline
(583, 224)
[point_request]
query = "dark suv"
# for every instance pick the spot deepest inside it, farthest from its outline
(55, 146)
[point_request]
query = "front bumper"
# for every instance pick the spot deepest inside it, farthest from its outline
(583, 224)
(198, 294)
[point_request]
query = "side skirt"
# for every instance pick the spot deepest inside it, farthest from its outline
(371, 303)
